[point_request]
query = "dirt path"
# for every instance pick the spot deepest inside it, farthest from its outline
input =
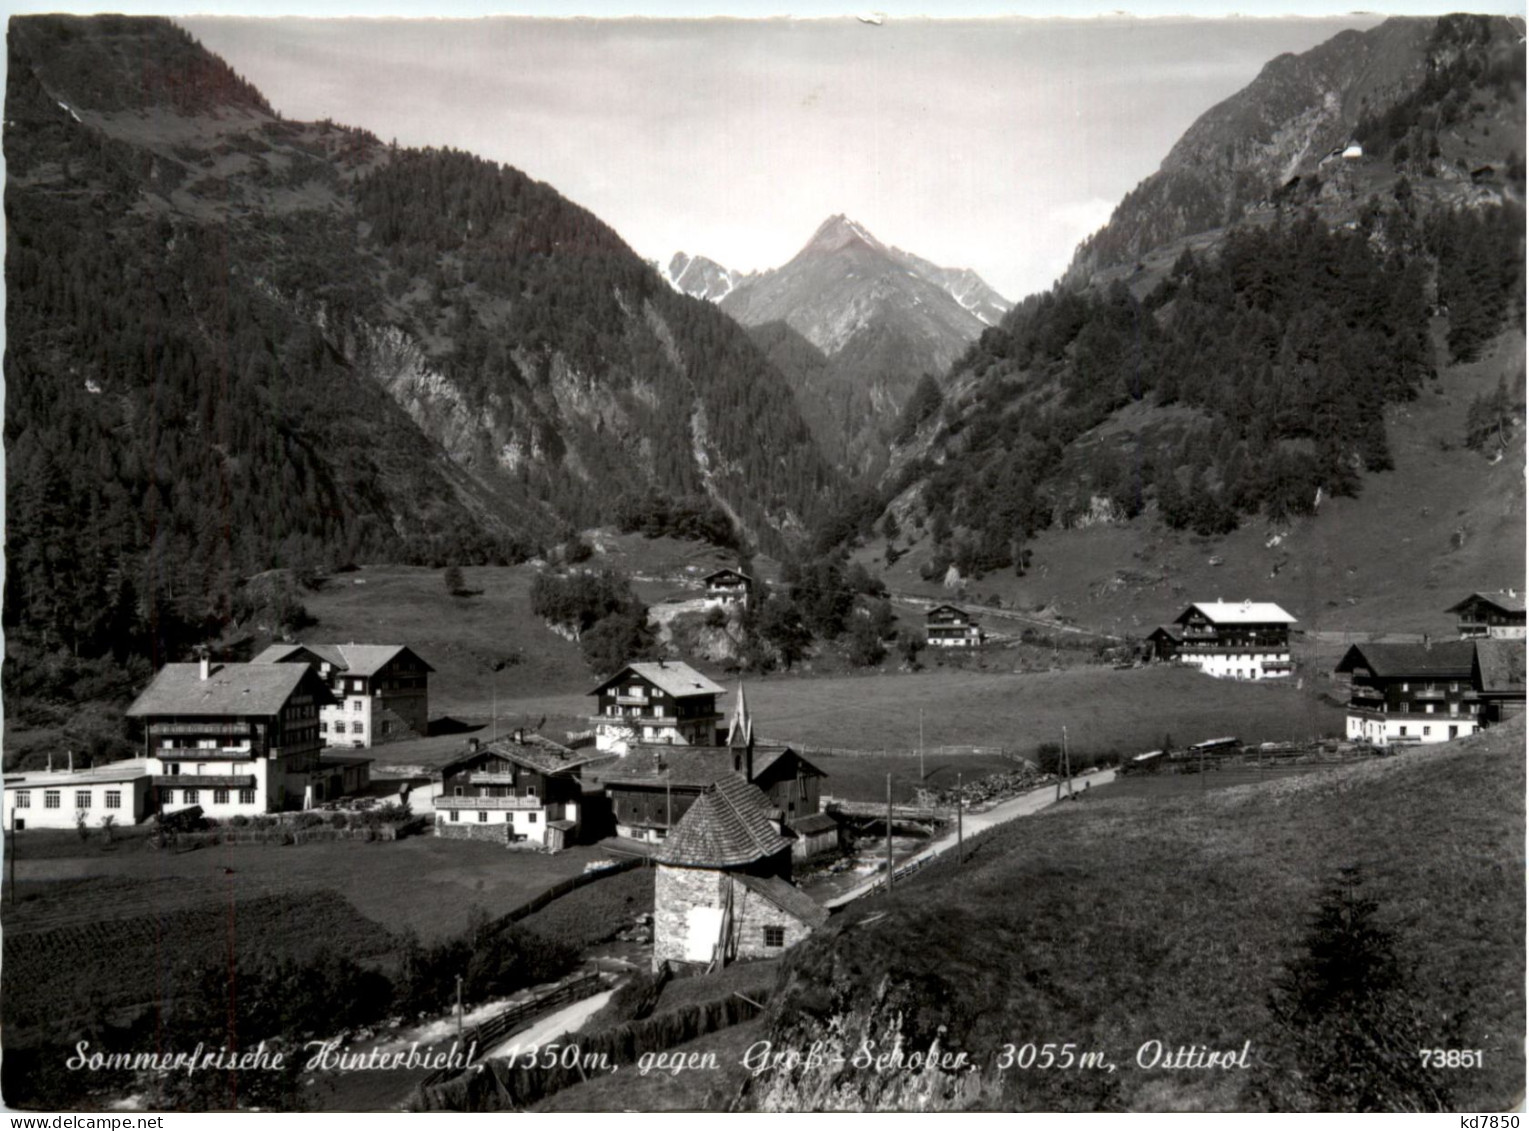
(973, 823)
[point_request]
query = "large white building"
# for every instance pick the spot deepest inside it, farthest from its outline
(1406, 694)
(59, 799)
(381, 691)
(664, 701)
(1229, 640)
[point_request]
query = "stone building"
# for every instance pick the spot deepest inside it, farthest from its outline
(722, 889)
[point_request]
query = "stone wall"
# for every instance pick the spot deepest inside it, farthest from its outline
(752, 913)
(675, 892)
(473, 830)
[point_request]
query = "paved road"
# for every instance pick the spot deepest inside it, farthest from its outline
(1021, 806)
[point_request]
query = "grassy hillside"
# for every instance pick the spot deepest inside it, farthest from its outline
(1114, 922)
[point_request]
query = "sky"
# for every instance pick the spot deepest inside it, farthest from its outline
(995, 144)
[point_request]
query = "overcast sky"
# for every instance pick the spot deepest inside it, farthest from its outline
(993, 144)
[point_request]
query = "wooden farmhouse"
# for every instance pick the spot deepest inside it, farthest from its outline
(523, 791)
(660, 702)
(63, 799)
(1229, 640)
(1411, 693)
(946, 626)
(381, 691)
(728, 587)
(722, 885)
(237, 738)
(1497, 615)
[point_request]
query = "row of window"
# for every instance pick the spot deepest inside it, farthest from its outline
(194, 796)
(53, 799)
(339, 728)
(531, 815)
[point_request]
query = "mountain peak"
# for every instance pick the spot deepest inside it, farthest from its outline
(838, 232)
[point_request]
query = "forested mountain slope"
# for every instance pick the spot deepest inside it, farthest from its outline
(1244, 371)
(237, 343)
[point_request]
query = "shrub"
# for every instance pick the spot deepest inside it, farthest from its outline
(309, 820)
(338, 821)
(239, 821)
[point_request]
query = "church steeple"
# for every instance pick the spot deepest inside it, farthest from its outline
(740, 736)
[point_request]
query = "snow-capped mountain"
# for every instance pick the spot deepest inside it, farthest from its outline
(881, 317)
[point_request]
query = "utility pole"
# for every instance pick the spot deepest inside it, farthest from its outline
(459, 1008)
(921, 744)
(960, 805)
(889, 834)
(10, 849)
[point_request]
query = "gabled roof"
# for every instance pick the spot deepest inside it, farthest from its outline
(1238, 612)
(727, 826)
(789, 898)
(813, 823)
(949, 609)
(129, 770)
(723, 573)
(693, 767)
(677, 679)
(1500, 667)
(229, 689)
(1172, 632)
(1504, 600)
(353, 659)
(534, 751)
(1448, 659)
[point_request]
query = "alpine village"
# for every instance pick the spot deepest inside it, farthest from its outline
(466, 636)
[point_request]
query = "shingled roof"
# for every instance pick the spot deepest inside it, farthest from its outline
(789, 898)
(1449, 659)
(1505, 600)
(727, 827)
(229, 689)
(1500, 667)
(534, 751)
(1239, 612)
(353, 659)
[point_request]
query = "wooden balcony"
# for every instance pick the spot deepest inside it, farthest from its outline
(167, 729)
(632, 700)
(1432, 694)
(488, 778)
(203, 781)
(521, 803)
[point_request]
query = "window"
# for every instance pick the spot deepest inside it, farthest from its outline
(387, 726)
(482, 816)
(531, 818)
(358, 728)
(323, 728)
(458, 791)
(175, 767)
(207, 744)
(246, 797)
(530, 791)
(339, 727)
(201, 767)
(114, 799)
(193, 796)
(166, 796)
(82, 799)
(51, 799)
(357, 705)
(220, 797)
(775, 936)
(1401, 732)
(23, 799)
(456, 814)
(1427, 731)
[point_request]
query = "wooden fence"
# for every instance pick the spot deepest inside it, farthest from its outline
(486, 1034)
(888, 752)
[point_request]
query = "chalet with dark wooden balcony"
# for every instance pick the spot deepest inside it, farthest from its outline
(727, 587)
(1498, 615)
(524, 790)
(1402, 694)
(1498, 676)
(660, 702)
(1229, 640)
(722, 886)
(381, 691)
(946, 626)
(236, 738)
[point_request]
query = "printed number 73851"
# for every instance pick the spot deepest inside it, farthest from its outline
(1450, 1058)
